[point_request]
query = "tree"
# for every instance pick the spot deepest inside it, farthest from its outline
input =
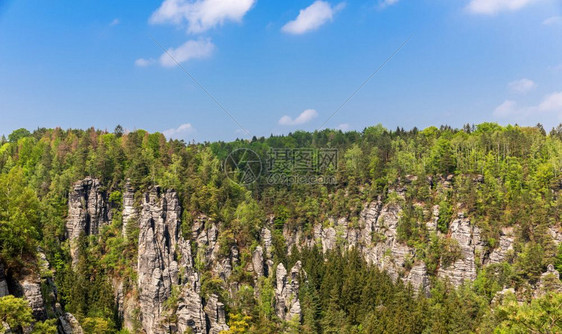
(19, 218)
(542, 315)
(18, 134)
(238, 323)
(16, 312)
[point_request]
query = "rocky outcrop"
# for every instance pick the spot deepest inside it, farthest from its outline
(258, 261)
(88, 211)
(31, 289)
(165, 262)
(549, 281)
(375, 236)
(190, 313)
(468, 238)
(69, 325)
(287, 304)
(505, 247)
(216, 315)
(129, 210)
(158, 266)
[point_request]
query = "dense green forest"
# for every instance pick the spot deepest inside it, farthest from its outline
(518, 183)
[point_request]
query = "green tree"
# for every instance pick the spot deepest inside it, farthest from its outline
(15, 312)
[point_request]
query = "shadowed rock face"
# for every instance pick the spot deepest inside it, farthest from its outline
(468, 237)
(287, 304)
(162, 251)
(88, 211)
(129, 212)
(69, 325)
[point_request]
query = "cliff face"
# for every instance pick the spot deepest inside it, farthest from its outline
(162, 253)
(88, 210)
(170, 299)
(375, 236)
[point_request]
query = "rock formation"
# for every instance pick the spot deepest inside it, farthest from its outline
(129, 211)
(69, 325)
(468, 237)
(287, 304)
(216, 315)
(88, 210)
(162, 252)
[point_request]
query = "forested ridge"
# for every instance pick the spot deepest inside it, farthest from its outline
(502, 181)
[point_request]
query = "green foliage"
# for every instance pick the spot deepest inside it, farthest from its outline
(46, 327)
(19, 218)
(238, 324)
(541, 315)
(499, 177)
(15, 312)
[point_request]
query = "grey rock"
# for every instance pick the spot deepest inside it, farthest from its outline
(162, 252)
(31, 288)
(258, 262)
(88, 211)
(287, 304)
(468, 237)
(69, 325)
(216, 315)
(129, 211)
(190, 312)
(505, 246)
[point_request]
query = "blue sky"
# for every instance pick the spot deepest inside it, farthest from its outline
(278, 66)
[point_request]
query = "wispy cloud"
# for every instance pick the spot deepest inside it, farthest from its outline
(305, 117)
(180, 132)
(387, 3)
(312, 17)
(522, 86)
(491, 7)
(552, 20)
(142, 62)
(343, 127)
(550, 104)
(115, 22)
(201, 15)
(193, 49)
(506, 109)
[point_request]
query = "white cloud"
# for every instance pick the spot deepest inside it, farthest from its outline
(343, 127)
(305, 117)
(522, 86)
(491, 7)
(179, 132)
(386, 3)
(312, 17)
(506, 109)
(142, 62)
(553, 20)
(550, 104)
(201, 15)
(193, 49)
(115, 22)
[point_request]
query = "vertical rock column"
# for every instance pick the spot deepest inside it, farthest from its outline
(158, 268)
(88, 211)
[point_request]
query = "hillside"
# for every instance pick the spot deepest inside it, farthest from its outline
(438, 230)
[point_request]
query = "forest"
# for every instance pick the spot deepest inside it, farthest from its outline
(500, 177)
